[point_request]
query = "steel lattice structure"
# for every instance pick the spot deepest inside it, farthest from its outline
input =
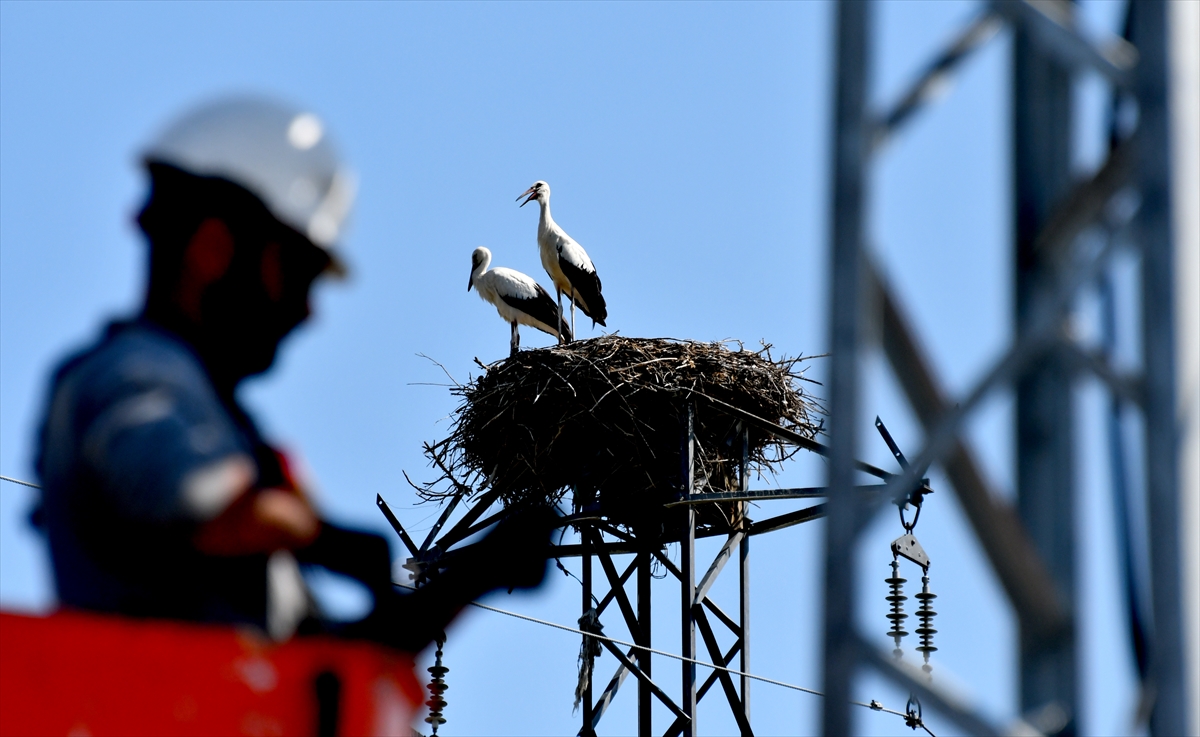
(602, 539)
(1030, 546)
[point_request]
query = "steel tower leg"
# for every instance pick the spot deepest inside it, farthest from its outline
(847, 279)
(1044, 402)
(744, 573)
(586, 565)
(1149, 34)
(687, 582)
(645, 695)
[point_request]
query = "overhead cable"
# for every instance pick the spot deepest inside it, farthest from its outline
(873, 705)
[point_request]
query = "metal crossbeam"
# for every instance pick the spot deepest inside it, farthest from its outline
(783, 433)
(707, 602)
(934, 78)
(1052, 25)
(612, 593)
(610, 691)
(459, 530)
(610, 571)
(437, 526)
(464, 530)
(395, 523)
(1128, 388)
(725, 660)
(714, 652)
(808, 492)
(714, 570)
(1084, 204)
(637, 672)
(787, 520)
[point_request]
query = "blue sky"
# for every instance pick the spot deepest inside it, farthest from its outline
(687, 148)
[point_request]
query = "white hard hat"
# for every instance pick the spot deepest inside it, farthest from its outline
(280, 153)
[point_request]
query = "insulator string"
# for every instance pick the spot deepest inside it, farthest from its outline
(437, 690)
(926, 614)
(896, 600)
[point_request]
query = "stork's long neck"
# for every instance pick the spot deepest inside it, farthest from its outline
(545, 221)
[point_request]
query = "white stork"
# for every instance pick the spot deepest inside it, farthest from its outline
(566, 262)
(517, 297)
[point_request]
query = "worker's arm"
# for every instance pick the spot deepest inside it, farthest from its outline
(260, 521)
(514, 555)
(166, 452)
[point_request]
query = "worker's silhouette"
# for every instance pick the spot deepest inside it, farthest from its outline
(160, 496)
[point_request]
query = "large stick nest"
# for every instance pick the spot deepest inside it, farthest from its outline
(604, 418)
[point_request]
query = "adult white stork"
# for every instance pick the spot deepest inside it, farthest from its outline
(566, 262)
(517, 297)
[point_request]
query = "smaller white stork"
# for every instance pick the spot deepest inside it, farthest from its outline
(565, 261)
(517, 297)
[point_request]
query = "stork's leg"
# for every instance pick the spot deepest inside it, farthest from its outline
(572, 296)
(516, 340)
(561, 340)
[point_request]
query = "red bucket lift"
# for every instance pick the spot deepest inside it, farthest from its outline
(74, 673)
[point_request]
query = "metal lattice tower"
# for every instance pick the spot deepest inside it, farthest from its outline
(1031, 546)
(602, 538)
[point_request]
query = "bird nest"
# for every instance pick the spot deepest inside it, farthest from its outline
(603, 420)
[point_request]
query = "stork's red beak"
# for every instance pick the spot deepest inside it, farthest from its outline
(471, 281)
(532, 196)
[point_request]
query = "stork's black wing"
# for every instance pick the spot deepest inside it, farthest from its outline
(587, 290)
(542, 308)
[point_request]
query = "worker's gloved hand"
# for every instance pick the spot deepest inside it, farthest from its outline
(515, 555)
(360, 555)
(260, 521)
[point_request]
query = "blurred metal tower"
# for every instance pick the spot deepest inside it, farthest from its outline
(1126, 204)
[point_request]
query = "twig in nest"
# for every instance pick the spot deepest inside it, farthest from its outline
(443, 368)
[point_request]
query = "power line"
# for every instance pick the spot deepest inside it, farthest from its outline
(19, 481)
(873, 705)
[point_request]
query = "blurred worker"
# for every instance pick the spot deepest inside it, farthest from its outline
(161, 498)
